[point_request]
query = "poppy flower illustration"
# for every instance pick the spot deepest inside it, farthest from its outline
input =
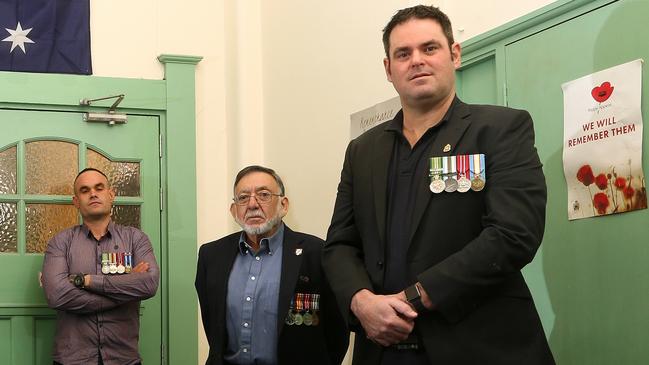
(585, 175)
(601, 181)
(620, 183)
(603, 92)
(600, 202)
(628, 192)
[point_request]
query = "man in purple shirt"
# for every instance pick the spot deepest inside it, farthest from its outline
(95, 275)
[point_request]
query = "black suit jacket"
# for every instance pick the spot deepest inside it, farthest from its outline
(466, 249)
(322, 344)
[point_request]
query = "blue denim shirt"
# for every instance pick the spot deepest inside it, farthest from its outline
(252, 299)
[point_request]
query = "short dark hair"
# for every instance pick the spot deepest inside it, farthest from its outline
(417, 12)
(90, 169)
(256, 168)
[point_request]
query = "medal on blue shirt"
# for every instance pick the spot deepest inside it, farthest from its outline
(478, 174)
(436, 183)
(104, 263)
(463, 183)
(448, 164)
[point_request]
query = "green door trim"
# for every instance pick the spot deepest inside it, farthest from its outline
(172, 100)
(491, 44)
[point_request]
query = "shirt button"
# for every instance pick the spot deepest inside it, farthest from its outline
(245, 324)
(257, 258)
(245, 349)
(252, 278)
(248, 299)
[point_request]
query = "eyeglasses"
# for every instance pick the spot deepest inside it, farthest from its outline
(262, 197)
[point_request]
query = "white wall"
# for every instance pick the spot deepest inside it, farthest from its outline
(277, 84)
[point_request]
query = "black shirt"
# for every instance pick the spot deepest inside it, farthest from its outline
(408, 165)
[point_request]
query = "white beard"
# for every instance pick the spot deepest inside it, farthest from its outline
(259, 229)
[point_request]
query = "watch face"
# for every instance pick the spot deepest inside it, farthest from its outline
(78, 281)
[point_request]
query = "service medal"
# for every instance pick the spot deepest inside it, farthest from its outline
(112, 267)
(463, 183)
(128, 262)
(120, 260)
(477, 183)
(478, 180)
(299, 320)
(449, 171)
(290, 320)
(104, 263)
(435, 173)
(308, 319)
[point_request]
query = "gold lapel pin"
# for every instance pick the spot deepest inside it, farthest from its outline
(447, 148)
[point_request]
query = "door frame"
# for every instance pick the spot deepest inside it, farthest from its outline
(172, 100)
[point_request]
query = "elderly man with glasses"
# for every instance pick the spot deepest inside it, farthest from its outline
(264, 298)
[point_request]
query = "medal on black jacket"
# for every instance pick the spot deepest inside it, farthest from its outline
(479, 176)
(299, 305)
(316, 307)
(449, 172)
(436, 183)
(308, 317)
(463, 183)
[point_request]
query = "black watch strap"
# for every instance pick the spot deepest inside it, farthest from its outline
(414, 298)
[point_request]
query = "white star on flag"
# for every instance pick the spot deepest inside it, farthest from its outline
(18, 37)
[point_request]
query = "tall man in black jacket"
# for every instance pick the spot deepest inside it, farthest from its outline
(437, 212)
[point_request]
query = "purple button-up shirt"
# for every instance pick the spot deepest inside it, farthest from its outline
(104, 316)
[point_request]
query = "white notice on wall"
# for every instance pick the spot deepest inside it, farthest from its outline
(602, 147)
(367, 118)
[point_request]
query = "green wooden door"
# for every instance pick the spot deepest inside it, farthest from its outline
(596, 271)
(40, 154)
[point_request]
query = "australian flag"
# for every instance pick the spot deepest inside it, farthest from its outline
(45, 36)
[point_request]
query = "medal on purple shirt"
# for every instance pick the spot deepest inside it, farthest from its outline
(104, 263)
(112, 266)
(120, 261)
(128, 258)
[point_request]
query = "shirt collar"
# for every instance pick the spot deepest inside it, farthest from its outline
(268, 244)
(396, 124)
(109, 232)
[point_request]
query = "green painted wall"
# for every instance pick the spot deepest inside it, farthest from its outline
(590, 280)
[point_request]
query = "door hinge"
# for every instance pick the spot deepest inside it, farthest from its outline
(160, 145)
(162, 199)
(163, 359)
(505, 101)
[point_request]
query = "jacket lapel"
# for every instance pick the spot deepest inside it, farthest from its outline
(381, 156)
(291, 262)
(450, 134)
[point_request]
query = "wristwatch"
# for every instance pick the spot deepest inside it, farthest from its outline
(79, 280)
(413, 295)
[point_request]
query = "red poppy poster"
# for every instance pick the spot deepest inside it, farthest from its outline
(602, 148)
